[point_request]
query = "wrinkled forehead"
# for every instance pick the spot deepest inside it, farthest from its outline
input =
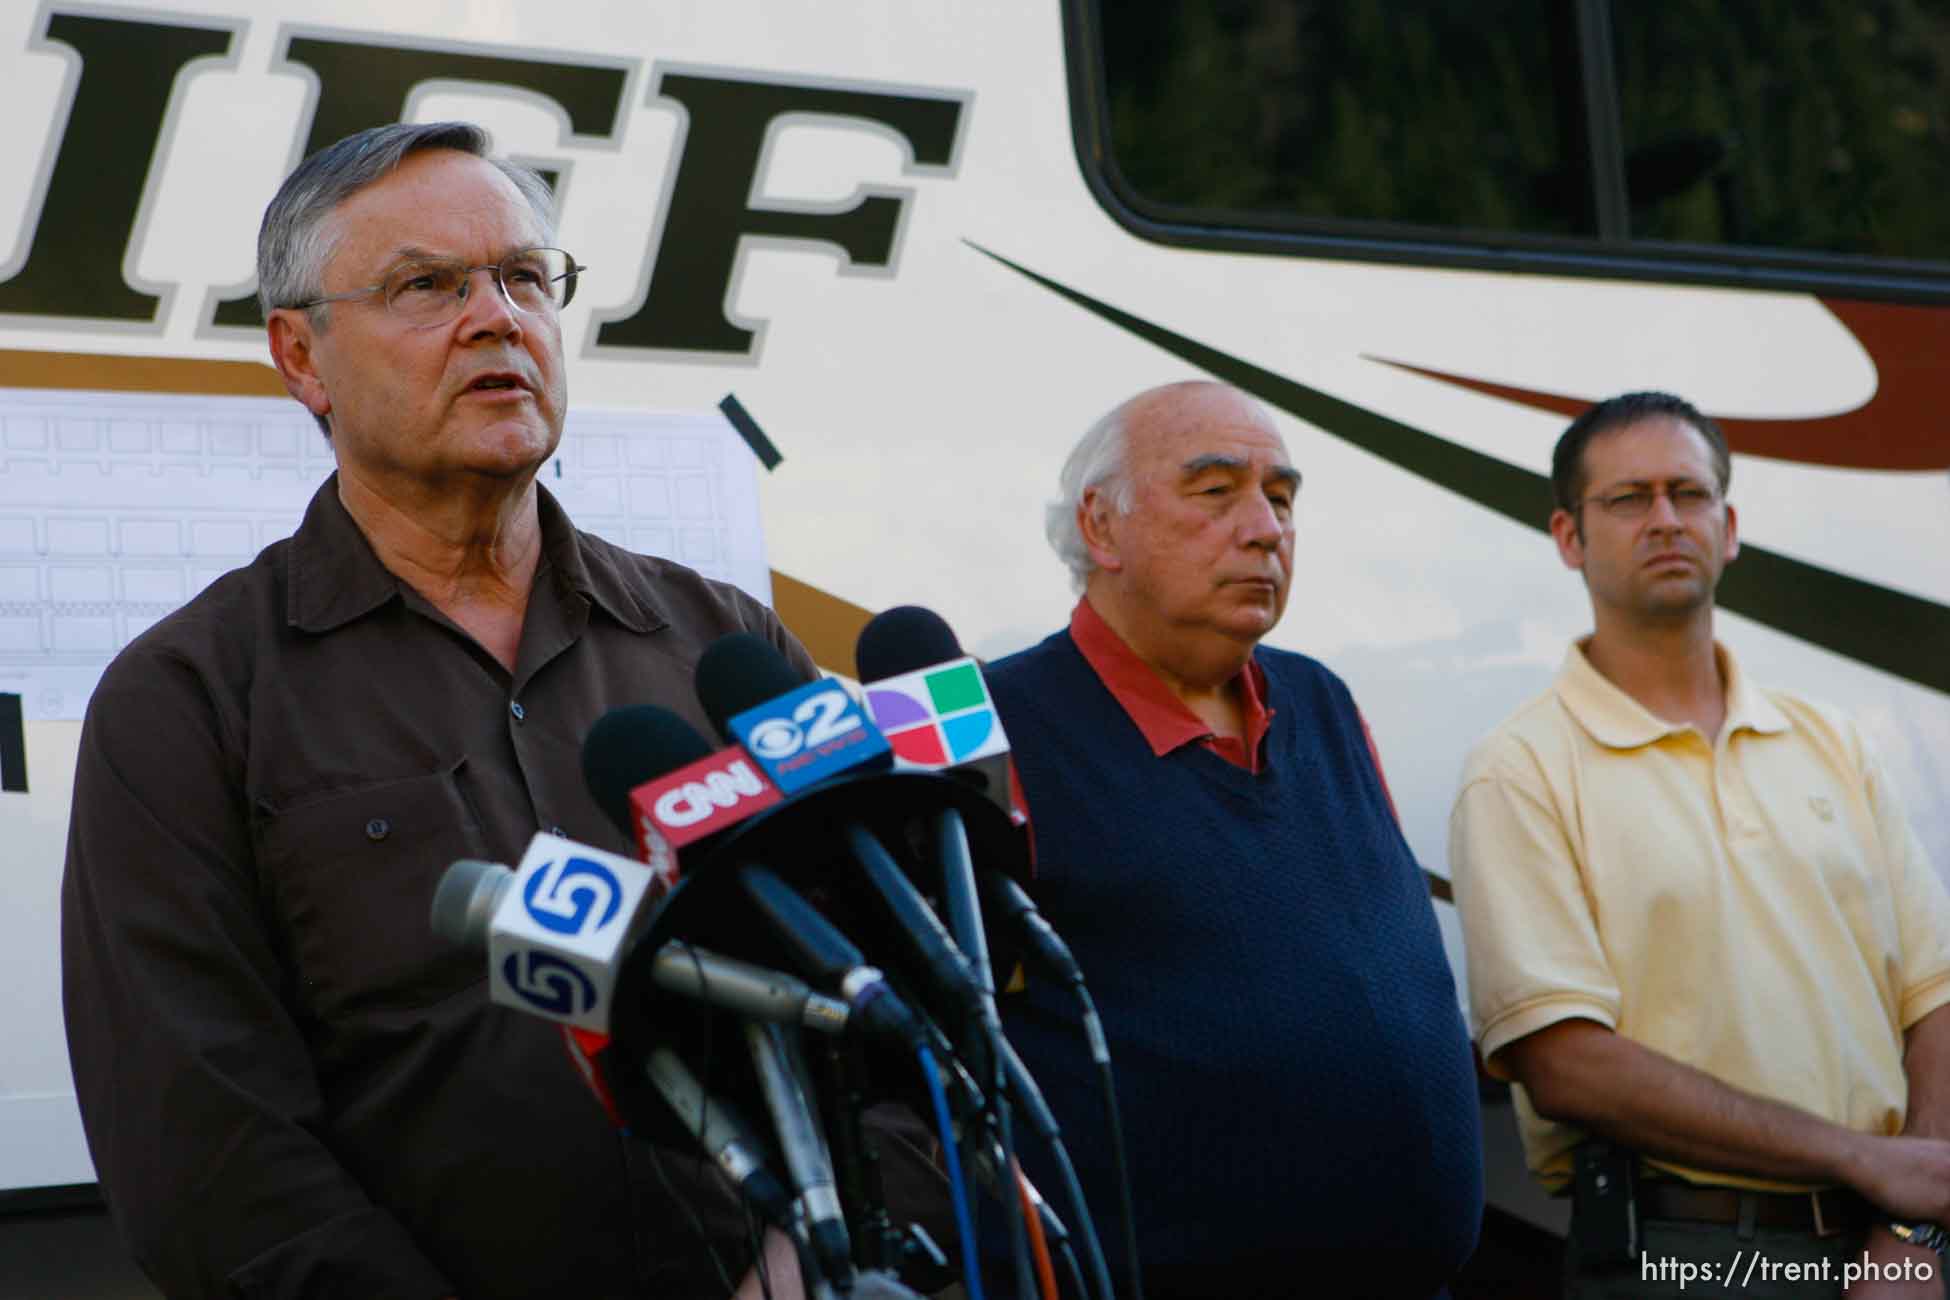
(437, 203)
(1190, 427)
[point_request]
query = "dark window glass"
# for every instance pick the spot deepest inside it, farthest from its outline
(1800, 126)
(1441, 112)
(1791, 125)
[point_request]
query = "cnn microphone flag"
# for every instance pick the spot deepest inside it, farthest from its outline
(700, 798)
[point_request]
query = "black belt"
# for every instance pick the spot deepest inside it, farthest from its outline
(1825, 1213)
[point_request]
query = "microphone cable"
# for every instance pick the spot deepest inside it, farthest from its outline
(1093, 1028)
(1074, 1190)
(1046, 949)
(958, 1191)
(1023, 1232)
(1075, 1270)
(1043, 1120)
(1037, 1245)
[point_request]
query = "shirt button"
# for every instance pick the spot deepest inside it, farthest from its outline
(378, 829)
(514, 707)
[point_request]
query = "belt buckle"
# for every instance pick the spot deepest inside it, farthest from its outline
(1822, 1228)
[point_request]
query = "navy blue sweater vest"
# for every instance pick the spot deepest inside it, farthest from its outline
(1291, 1061)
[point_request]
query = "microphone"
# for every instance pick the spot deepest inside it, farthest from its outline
(800, 733)
(781, 1079)
(732, 674)
(830, 958)
(932, 702)
(934, 705)
(554, 929)
(930, 950)
(626, 743)
(557, 932)
(722, 1132)
(463, 909)
(745, 989)
(1045, 945)
(664, 787)
(927, 940)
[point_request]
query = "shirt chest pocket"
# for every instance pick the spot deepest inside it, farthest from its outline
(350, 877)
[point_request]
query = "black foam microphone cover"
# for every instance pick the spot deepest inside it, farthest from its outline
(739, 672)
(901, 640)
(629, 746)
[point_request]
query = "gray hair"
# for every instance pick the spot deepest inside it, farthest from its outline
(298, 235)
(1101, 459)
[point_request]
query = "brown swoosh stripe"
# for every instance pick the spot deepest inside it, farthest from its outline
(97, 372)
(1901, 427)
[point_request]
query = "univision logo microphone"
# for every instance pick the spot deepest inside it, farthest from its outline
(938, 717)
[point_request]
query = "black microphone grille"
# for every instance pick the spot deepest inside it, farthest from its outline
(901, 640)
(738, 672)
(629, 746)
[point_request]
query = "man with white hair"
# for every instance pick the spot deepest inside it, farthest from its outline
(1215, 841)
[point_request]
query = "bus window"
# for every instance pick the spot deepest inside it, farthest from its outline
(1795, 145)
(1435, 112)
(1793, 126)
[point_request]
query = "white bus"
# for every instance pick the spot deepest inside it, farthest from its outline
(925, 244)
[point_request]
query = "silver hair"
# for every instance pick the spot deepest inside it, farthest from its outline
(1101, 459)
(298, 235)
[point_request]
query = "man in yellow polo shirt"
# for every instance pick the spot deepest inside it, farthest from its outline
(1701, 937)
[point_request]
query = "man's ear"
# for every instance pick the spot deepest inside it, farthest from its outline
(1095, 514)
(1733, 536)
(1569, 538)
(292, 335)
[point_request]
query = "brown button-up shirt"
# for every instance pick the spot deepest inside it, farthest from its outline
(290, 1086)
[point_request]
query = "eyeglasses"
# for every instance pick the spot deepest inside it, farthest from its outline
(1688, 499)
(433, 290)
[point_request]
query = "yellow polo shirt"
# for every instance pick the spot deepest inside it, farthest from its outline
(1756, 906)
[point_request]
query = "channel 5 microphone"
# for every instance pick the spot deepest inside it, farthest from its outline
(931, 702)
(472, 891)
(663, 785)
(555, 931)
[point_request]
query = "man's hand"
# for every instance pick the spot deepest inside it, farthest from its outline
(1886, 1253)
(1907, 1177)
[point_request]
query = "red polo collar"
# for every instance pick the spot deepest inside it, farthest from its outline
(1161, 716)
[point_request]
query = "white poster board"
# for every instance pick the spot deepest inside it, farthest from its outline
(116, 509)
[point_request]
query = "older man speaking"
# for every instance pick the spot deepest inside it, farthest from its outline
(1215, 841)
(290, 1088)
